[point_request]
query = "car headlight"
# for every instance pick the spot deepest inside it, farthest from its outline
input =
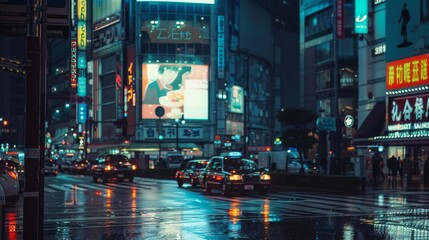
(265, 177)
(235, 177)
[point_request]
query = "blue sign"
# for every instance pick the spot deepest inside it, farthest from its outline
(326, 124)
(361, 17)
(82, 112)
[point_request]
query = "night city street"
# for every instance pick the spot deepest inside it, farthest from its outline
(214, 119)
(76, 208)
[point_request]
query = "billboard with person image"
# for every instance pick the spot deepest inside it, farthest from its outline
(182, 89)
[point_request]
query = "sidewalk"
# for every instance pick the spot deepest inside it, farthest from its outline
(398, 185)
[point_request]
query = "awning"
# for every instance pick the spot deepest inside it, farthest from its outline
(393, 141)
(94, 146)
(373, 125)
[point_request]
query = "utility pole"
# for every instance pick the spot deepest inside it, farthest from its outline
(35, 120)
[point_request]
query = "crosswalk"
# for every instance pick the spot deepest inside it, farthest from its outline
(84, 203)
(84, 186)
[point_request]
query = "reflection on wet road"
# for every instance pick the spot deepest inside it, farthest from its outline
(76, 208)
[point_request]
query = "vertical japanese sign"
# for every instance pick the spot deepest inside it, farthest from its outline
(361, 17)
(73, 63)
(82, 109)
(339, 18)
(220, 46)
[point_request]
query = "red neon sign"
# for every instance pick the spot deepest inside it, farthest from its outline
(408, 72)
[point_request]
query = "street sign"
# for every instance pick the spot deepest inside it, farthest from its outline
(326, 124)
(349, 121)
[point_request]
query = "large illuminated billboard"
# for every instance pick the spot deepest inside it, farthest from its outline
(182, 1)
(182, 89)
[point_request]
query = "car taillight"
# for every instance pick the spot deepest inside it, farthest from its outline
(12, 174)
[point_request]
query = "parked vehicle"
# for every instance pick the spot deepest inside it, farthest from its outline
(9, 180)
(18, 168)
(190, 171)
(114, 166)
(51, 167)
(230, 172)
(79, 167)
(66, 166)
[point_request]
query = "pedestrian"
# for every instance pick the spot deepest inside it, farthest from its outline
(390, 163)
(395, 168)
(377, 167)
(400, 168)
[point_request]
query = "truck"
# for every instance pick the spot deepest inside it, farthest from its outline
(277, 160)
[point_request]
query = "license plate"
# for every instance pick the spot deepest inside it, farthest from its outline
(248, 187)
(120, 175)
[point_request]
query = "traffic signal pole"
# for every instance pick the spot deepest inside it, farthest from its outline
(35, 120)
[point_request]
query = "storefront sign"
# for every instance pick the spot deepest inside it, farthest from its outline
(408, 72)
(408, 115)
(220, 47)
(361, 17)
(176, 32)
(81, 10)
(106, 36)
(379, 50)
(73, 66)
(340, 18)
(169, 133)
(81, 36)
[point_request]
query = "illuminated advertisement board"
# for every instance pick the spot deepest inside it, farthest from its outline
(81, 10)
(73, 61)
(182, 89)
(236, 103)
(361, 17)
(408, 72)
(408, 115)
(181, 1)
(81, 36)
(176, 31)
(407, 27)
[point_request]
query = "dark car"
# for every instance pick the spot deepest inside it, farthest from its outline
(230, 172)
(51, 167)
(79, 167)
(189, 172)
(114, 166)
(16, 166)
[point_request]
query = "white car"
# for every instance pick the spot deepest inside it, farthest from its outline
(10, 183)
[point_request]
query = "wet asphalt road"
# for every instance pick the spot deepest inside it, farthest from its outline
(76, 208)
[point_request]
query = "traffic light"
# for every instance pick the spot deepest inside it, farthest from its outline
(5, 123)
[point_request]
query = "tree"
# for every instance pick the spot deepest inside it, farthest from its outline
(298, 124)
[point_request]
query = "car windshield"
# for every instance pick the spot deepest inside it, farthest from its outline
(200, 165)
(239, 164)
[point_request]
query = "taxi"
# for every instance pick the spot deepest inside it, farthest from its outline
(230, 172)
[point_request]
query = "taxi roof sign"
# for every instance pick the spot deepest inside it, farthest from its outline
(231, 154)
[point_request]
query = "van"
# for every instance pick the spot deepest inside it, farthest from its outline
(173, 159)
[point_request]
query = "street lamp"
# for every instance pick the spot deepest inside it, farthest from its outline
(177, 120)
